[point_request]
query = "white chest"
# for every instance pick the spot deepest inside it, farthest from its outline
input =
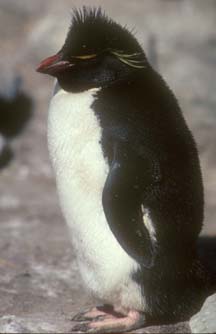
(74, 138)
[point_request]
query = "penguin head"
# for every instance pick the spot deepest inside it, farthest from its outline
(97, 52)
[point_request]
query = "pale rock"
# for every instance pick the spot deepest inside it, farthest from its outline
(205, 320)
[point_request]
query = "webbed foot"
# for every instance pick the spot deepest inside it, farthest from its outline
(112, 324)
(95, 313)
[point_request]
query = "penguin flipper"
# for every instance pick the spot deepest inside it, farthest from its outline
(122, 206)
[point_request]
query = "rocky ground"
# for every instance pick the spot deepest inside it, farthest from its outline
(40, 287)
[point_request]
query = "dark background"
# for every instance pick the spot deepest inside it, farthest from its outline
(39, 284)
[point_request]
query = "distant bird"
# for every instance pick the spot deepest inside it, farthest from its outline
(15, 112)
(128, 177)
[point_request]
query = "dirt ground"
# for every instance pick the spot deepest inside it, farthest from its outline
(40, 286)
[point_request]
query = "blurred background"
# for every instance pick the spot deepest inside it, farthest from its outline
(39, 284)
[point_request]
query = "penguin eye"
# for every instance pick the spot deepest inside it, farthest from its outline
(85, 57)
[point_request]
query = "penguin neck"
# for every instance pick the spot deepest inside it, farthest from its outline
(78, 86)
(58, 87)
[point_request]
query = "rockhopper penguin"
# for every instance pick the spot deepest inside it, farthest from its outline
(128, 178)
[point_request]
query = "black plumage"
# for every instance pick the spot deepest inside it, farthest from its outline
(158, 167)
(15, 113)
(152, 156)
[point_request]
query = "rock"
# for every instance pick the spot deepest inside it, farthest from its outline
(15, 324)
(11, 324)
(205, 320)
(181, 327)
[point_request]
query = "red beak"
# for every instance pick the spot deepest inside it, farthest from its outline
(54, 65)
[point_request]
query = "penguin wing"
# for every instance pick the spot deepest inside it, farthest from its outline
(122, 203)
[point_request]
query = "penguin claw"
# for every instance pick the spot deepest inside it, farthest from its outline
(95, 313)
(80, 328)
(85, 328)
(80, 317)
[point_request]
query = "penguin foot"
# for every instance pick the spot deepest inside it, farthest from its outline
(97, 313)
(132, 321)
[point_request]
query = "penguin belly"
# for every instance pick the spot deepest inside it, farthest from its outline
(74, 135)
